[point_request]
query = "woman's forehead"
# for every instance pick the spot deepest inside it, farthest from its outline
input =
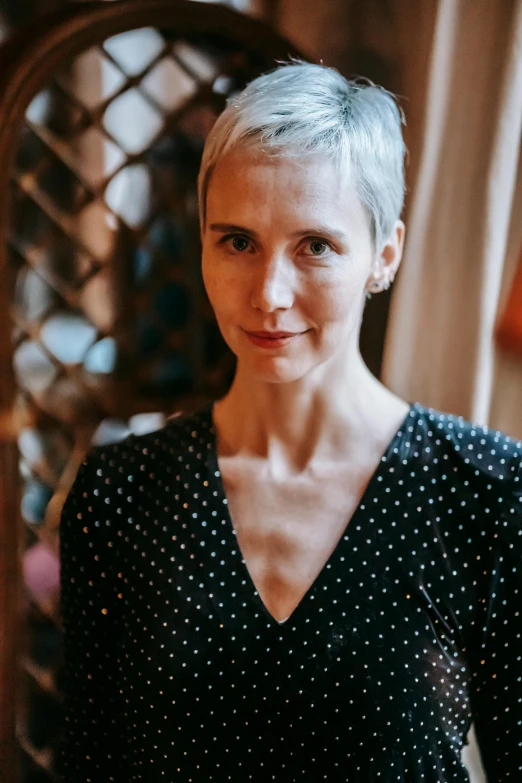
(254, 183)
(244, 167)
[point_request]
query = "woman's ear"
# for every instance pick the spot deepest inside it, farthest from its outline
(387, 262)
(391, 253)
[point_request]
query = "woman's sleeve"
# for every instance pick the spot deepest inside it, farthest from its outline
(89, 751)
(496, 660)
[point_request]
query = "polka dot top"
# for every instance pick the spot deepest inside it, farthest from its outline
(174, 670)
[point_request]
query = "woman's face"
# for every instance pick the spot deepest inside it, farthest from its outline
(286, 247)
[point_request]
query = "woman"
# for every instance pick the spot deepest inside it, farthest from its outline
(311, 578)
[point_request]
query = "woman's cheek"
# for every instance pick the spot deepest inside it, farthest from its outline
(330, 303)
(214, 281)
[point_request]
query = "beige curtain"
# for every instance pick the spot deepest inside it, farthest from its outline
(464, 230)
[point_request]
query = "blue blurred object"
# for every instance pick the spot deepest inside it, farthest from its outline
(143, 264)
(110, 431)
(101, 358)
(68, 336)
(35, 498)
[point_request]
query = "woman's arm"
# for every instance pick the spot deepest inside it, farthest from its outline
(496, 654)
(90, 751)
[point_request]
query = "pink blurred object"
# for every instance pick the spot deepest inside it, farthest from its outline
(41, 570)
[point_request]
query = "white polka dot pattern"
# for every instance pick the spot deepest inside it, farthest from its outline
(175, 670)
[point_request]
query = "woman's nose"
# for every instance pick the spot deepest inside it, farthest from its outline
(273, 284)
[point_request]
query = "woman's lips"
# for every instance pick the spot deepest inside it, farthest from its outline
(272, 342)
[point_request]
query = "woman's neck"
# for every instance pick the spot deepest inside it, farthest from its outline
(294, 428)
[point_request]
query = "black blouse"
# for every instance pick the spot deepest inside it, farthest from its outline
(176, 671)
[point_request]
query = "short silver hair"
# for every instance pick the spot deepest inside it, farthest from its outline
(301, 108)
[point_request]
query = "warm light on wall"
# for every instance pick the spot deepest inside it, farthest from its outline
(509, 330)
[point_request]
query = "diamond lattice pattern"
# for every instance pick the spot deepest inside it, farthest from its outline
(112, 327)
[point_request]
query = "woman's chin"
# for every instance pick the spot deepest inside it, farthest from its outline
(273, 369)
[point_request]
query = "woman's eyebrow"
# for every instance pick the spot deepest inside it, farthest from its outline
(231, 228)
(322, 231)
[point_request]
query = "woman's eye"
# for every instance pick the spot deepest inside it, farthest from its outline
(235, 242)
(318, 247)
(240, 244)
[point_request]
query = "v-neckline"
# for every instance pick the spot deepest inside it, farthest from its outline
(219, 487)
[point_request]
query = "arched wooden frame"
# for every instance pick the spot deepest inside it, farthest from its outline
(27, 62)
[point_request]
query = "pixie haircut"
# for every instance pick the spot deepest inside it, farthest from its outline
(300, 108)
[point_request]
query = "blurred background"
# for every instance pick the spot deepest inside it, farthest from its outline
(105, 328)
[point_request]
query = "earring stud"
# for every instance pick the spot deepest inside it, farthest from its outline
(381, 284)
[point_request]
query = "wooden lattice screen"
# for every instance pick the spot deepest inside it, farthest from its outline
(104, 110)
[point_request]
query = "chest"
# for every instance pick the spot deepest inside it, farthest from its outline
(286, 531)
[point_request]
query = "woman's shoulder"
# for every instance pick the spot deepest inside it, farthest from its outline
(489, 458)
(181, 433)
(145, 460)
(115, 481)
